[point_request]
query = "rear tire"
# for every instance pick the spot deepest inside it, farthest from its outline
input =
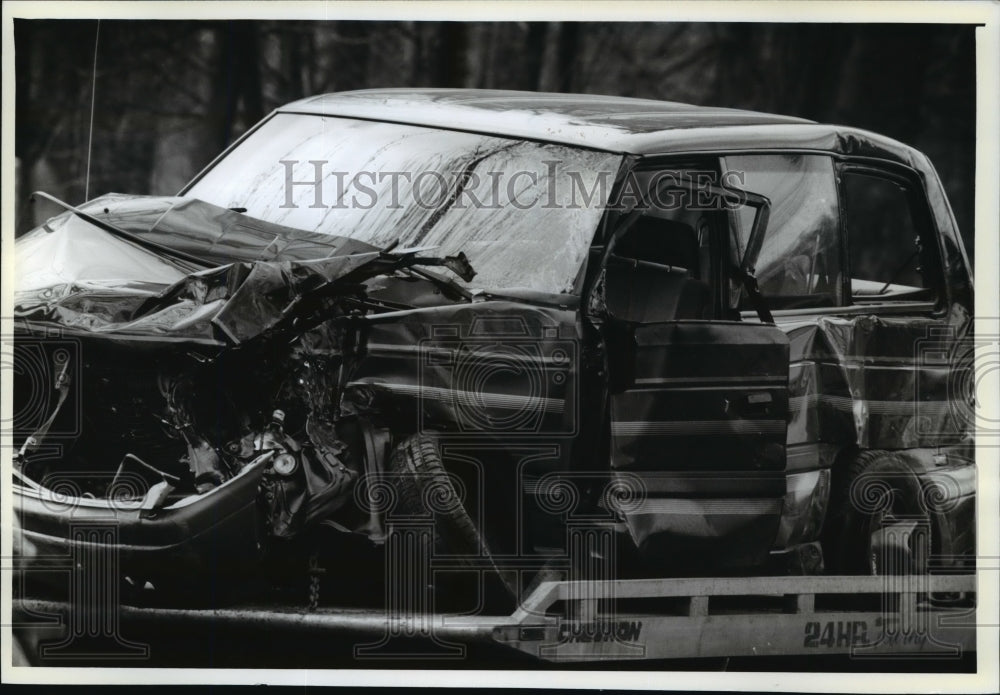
(872, 517)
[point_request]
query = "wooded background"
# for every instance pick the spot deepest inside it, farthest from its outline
(170, 95)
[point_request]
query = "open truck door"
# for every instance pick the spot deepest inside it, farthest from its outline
(698, 406)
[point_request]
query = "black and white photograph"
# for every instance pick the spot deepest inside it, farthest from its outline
(535, 344)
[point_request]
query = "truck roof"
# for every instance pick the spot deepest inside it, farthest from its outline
(614, 124)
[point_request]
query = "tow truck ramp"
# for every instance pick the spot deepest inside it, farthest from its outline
(877, 617)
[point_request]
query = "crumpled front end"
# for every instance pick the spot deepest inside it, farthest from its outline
(195, 407)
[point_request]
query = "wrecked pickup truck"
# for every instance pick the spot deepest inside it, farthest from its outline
(733, 341)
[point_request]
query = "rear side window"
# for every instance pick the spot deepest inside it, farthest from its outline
(799, 262)
(889, 257)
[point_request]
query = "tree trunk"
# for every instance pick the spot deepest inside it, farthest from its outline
(352, 51)
(534, 54)
(449, 64)
(568, 41)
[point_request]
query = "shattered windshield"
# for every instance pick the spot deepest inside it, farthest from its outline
(524, 213)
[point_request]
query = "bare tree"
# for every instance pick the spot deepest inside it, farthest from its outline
(170, 95)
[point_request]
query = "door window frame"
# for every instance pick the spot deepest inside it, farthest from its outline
(924, 224)
(911, 179)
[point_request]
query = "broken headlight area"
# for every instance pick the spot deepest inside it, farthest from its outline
(159, 427)
(302, 484)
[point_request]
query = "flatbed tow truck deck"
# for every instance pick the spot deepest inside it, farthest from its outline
(632, 623)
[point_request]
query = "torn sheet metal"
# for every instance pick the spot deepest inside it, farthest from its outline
(216, 234)
(120, 288)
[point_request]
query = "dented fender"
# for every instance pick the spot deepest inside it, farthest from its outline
(494, 368)
(877, 382)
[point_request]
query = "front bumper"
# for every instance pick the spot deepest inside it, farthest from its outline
(216, 533)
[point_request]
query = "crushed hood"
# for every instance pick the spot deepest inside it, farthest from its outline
(73, 273)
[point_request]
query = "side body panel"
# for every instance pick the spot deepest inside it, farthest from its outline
(869, 382)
